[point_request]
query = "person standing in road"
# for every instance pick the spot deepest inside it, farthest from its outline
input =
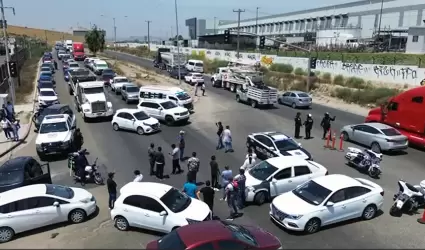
(298, 124)
(5, 124)
(160, 163)
(193, 167)
(249, 160)
(208, 194)
(151, 155)
(138, 177)
(182, 144)
(227, 140)
(308, 125)
(203, 88)
(78, 139)
(241, 179)
(176, 161)
(197, 84)
(214, 172)
(112, 190)
(232, 193)
(190, 188)
(220, 136)
(226, 175)
(326, 124)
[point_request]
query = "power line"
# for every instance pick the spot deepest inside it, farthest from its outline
(239, 11)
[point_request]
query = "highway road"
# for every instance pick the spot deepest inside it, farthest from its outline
(123, 152)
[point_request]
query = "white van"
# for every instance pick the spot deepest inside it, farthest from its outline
(178, 95)
(195, 66)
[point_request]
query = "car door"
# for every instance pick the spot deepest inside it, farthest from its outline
(264, 147)
(369, 135)
(45, 211)
(21, 214)
(285, 97)
(301, 175)
(67, 110)
(358, 135)
(357, 200)
(156, 111)
(152, 209)
(124, 120)
(336, 212)
(132, 122)
(281, 182)
(147, 107)
(123, 91)
(292, 99)
(36, 173)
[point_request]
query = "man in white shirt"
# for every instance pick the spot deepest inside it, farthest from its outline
(227, 140)
(5, 124)
(139, 176)
(176, 159)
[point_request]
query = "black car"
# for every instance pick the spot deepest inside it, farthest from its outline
(174, 73)
(23, 171)
(54, 109)
(274, 144)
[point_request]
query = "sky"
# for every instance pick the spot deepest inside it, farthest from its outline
(131, 15)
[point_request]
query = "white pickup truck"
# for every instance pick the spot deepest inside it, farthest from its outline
(257, 95)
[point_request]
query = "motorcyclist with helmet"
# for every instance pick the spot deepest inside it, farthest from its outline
(78, 139)
(80, 165)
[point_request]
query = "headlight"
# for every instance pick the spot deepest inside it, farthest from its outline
(295, 217)
(86, 110)
(191, 221)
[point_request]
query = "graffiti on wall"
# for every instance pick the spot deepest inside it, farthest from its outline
(354, 68)
(327, 64)
(403, 73)
(251, 57)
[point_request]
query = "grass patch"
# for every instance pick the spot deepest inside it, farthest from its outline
(374, 96)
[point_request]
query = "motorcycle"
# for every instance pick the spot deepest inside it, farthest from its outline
(91, 171)
(408, 199)
(365, 160)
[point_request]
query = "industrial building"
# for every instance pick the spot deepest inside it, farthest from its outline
(346, 23)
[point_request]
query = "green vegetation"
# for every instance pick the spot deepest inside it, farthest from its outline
(95, 40)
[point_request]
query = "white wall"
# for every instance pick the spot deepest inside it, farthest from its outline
(415, 47)
(410, 18)
(390, 20)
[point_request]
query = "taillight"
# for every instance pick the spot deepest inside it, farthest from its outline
(382, 193)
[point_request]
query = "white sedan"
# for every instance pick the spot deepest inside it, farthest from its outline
(278, 175)
(47, 97)
(156, 206)
(117, 83)
(193, 78)
(135, 120)
(30, 207)
(327, 200)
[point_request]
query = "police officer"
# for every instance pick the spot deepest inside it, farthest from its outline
(298, 124)
(78, 139)
(308, 125)
(56, 64)
(326, 124)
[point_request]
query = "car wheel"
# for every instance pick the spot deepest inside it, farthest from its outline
(115, 126)
(312, 226)
(169, 120)
(253, 104)
(294, 106)
(279, 101)
(140, 130)
(375, 147)
(77, 216)
(6, 234)
(260, 198)
(345, 136)
(121, 223)
(369, 212)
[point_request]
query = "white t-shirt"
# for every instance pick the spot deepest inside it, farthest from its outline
(229, 187)
(175, 153)
(4, 124)
(227, 135)
(246, 165)
(138, 178)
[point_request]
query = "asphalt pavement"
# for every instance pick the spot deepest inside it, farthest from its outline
(123, 152)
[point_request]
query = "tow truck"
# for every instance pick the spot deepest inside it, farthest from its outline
(252, 90)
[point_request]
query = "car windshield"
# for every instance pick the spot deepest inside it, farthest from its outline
(74, 65)
(141, 116)
(108, 71)
(182, 96)
(47, 93)
(262, 170)
(46, 65)
(175, 200)
(121, 80)
(107, 76)
(241, 233)
(59, 191)
(286, 145)
(132, 89)
(172, 241)
(168, 105)
(11, 177)
(199, 65)
(53, 127)
(45, 74)
(101, 65)
(303, 95)
(312, 193)
(390, 132)
(45, 85)
(45, 69)
(96, 90)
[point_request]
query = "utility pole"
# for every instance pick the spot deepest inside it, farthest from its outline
(178, 43)
(6, 45)
(215, 26)
(149, 39)
(256, 28)
(172, 37)
(380, 19)
(239, 11)
(115, 34)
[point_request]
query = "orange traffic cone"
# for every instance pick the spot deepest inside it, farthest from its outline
(328, 138)
(422, 220)
(333, 141)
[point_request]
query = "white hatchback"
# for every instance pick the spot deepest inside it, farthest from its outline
(327, 200)
(156, 206)
(30, 207)
(135, 120)
(193, 78)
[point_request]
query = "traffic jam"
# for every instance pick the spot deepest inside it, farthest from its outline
(300, 193)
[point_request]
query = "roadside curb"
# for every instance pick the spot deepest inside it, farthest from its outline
(23, 139)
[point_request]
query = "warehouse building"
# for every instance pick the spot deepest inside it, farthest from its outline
(338, 24)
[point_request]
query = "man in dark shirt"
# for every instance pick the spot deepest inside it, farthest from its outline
(215, 172)
(220, 138)
(112, 190)
(182, 145)
(208, 193)
(160, 162)
(151, 155)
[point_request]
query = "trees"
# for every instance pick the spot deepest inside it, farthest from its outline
(95, 40)
(174, 38)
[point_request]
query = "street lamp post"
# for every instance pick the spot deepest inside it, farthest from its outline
(6, 45)
(114, 28)
(178, 44)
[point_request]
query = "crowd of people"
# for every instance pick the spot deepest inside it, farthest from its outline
(9, 123)
(308, 125)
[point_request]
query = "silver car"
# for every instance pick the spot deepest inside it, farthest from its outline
(379, 137)
(130, 93)
(296, 99)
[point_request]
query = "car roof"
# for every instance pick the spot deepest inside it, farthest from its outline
(210, 230)
(130, 85)
(152, 189)
(55, 118)
(100, 61)
(336, 182)
(56, 106)
(275, 136)
(297, 92)
(377, 125)
(154, 100)
(47, 89)
(285, 161)
(16, 163)
(161, 88)
(22, 193)
(121, 77)
(131, 111)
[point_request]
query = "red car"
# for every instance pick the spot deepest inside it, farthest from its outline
(216, 235)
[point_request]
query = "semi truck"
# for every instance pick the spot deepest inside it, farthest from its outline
(405, 112)
(78, 51)
(157, 62)
(169, 60)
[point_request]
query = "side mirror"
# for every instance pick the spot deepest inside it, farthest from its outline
(330, 204)
(56, 204)
(274, 180)
(159, 108)
(163, 213)
(299, 144)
